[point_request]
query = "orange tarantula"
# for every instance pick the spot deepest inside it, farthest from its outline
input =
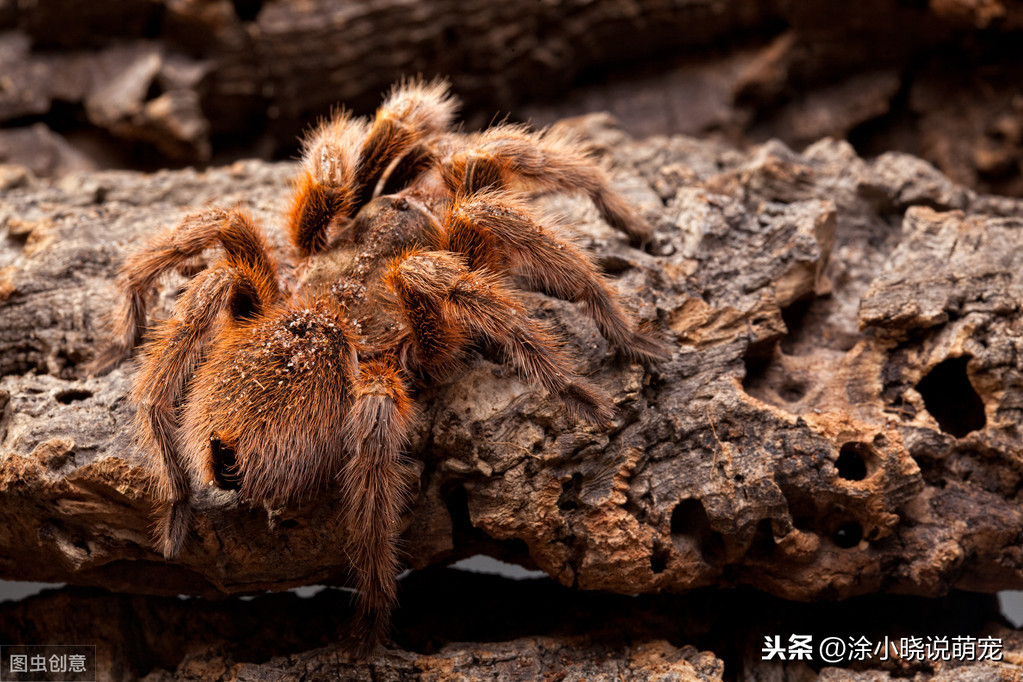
(412, 241)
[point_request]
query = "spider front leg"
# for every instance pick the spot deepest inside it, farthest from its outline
(374, 482)
(167, 362)
(345, 158)
(413, 111)
(496, 232)
(245, 248)
(548, 161)
(445, 303)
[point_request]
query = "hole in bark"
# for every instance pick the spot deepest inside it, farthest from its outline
(73, 395)
(951, 399)
(570, 489)
(756, 372)
(19, 238)
(659, 560)
(457, 502)
(794, 316)
(154, 90)
(614, 266)
(225, 465)
(61, 117)
(848, 535)
(689, 519)
(852, 461)
(792, 390)
(763, 544)
(289, 523)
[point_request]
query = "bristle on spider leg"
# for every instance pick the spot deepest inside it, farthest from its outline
(330, 152)
(587, 402)
(481, 303)
(325, 190)
(166, 363)
(155, 435)
(174, 520)
(404, 171)
(425, 106)
(125, 327)
(572, 167)
(621, 216)
(313, 207)
(469, 172)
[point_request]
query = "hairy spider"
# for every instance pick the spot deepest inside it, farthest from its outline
(411, 243)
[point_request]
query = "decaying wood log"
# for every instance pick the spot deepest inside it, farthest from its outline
(840, 416)
(458, 625)
(176, 72)
(152, 82)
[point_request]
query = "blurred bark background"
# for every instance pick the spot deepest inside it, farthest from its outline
(151, 83)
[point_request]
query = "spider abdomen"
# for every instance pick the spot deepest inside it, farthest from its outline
(275, 392)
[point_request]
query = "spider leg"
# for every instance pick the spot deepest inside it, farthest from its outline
(548, 161)
(345, 158)
(374, 481)
(412, 112)
(496, 232)
(167, 362)
(233, 230)
(326, 188)
(437, 286)
(409, 167)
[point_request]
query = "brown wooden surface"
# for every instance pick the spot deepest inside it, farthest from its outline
(840, 415)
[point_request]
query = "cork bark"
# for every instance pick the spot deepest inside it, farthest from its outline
(839, 416)
(147, 83)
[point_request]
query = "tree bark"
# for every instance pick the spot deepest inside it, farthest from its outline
(151, 82)
(840, 415)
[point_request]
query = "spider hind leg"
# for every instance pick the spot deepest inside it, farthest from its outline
(167, 362)
(244, 246)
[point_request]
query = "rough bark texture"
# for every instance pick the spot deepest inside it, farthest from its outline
(455, 625)
(840, 416)
(155, 81)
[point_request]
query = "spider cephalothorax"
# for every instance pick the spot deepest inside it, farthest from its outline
(412, 242)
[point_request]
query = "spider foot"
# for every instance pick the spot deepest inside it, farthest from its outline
(646, 347)
(367, 631)
(173, 527)
(584, 401)
(107, 359)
